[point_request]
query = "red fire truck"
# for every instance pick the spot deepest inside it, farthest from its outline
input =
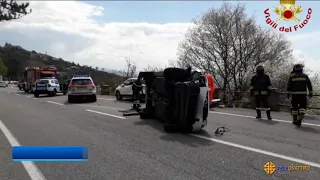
(32, 74)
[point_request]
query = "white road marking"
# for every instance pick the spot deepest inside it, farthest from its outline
(55, 103)
(102, 107)
(120, 117)
(313, 164)
(107, 99)
(29, 96)
(34, 98)
(30, 167)
(252, 117)
(18, 94)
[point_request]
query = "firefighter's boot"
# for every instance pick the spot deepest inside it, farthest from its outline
(258, 114)
(294, 119)
(269, 115)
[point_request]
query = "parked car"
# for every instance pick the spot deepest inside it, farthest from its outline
(124, 90)
(3, 84)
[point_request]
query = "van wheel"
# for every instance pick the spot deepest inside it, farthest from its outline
(36, 95)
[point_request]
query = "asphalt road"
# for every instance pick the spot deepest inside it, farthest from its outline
(131, 148)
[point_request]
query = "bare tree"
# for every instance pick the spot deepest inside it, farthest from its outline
(10, 9)
(178, 64)
(130, 69)
(229, 45)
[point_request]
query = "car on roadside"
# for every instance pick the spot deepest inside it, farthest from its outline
(124, 90)
(82, 87)
(3, 84)
(48, 86)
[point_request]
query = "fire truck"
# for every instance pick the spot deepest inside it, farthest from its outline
(32, 74)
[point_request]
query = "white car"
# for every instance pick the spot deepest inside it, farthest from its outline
(124, 90)
(3, 84)
(48, 86)
(82, 86)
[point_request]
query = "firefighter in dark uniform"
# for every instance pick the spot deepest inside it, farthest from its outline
(260, 88)
(297, 88)
(136, 89)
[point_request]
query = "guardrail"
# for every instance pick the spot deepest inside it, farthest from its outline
(278, 100)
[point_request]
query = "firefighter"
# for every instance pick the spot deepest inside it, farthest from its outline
(260, 88)
(297, 90)
(136, 89)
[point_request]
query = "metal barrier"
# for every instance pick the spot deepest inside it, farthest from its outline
(278, 100)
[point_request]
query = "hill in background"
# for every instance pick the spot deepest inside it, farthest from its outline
(15, 58)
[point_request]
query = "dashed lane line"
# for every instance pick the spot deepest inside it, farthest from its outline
(52, 102)
(106, 114)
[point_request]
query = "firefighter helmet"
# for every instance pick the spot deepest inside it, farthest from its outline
(260, 69)
(298, 68)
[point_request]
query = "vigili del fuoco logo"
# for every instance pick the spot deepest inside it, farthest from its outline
(288, 11)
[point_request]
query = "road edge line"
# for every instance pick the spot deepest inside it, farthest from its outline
(252, 117)
(32, 170)
(248, 148)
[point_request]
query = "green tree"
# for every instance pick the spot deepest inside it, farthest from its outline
(3, 68)
(10, 9)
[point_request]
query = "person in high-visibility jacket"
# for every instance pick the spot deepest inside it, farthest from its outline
(260, 87)
(298, 84)
(211, 86)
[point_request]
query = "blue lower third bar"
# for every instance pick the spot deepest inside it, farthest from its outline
(50, 153)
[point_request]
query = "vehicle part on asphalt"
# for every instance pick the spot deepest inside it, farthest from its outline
(221, 130)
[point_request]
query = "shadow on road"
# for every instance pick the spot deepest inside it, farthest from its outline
(176, 136)
(308, 117)
(268, 122)
(308, 129)
(80, 101)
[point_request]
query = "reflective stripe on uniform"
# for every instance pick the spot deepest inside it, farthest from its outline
(262, 109)
(302, 111)
(251, 87)
(298, 92)
(294, 112)
(269, 87)
(299, 79)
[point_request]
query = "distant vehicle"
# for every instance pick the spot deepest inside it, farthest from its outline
(124, 90)
(80, 87)
(48, 86)
(31, 74)
(3, 84)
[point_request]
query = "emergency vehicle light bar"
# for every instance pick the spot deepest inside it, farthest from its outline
(81, 75)
(49, 78)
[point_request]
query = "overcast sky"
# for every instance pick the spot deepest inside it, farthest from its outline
(103, 33)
